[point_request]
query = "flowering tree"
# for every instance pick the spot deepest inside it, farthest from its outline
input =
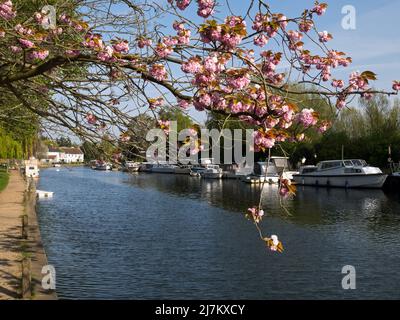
(95, 65)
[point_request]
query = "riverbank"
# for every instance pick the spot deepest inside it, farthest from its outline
(18, 245)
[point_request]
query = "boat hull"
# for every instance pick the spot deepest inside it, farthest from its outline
(342, 181)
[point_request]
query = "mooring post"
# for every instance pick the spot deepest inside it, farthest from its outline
(26, 278)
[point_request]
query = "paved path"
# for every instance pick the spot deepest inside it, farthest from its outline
(11, 210)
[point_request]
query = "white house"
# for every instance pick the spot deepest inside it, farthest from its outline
(64, 155)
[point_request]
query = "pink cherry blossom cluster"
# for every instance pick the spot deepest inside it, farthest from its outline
(183, 34)
(156, 102)
(158, 71)
(337, 83)
(357, 82)
(263, 139)
(396, 85)
(23, 31)
(181, 4)
(7, 11)
(255, 213)
(324, 36)
(319, 8)
(121, 46)
(262, 23)
(306, 25)
(76, 25)
(268, 66)
(91, 118)
(164, 125)
(26, 44)
(107, 54)
(164, 48)
(41, 19)
(183, 104)
(307, 117)
(230, 34)
(144, 42)
(38, 55)
(238, 78)
(206, 8)
(261, 40)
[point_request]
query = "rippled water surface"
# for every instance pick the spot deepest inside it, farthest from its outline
(143, 236)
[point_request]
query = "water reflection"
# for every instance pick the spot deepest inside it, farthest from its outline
(114, 235)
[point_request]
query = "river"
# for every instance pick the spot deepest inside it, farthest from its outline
(113, 235)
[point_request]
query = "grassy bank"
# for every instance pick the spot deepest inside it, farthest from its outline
(3, 179)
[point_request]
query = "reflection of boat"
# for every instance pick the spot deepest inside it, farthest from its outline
(211, 171)
(341, 173)
(146, 166)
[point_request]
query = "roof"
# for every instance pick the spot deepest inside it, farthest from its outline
(71, 150)
(55, 149)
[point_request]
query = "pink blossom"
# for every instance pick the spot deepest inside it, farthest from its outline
(340, 103)
(26, 43)
(106, 55)
(262, 140)
(307, 117)
(121, 46)
(164, 125)
(159, 72)
(6, 10)
(337, 83)
(256, 214)
(183, 104)
(261, 40)
(15, 49)
(162, 50)
(38, 55)
(91, 118)
(157, 102)
(320, 9)
(396, 85)
(238, 82)
(182, 4)
(306, 25)
(144, 42)
(193, 65)
(324, 36)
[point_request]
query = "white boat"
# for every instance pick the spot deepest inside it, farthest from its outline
(163, 167)
(131, 166)
(341, 173)
(103, 166)
(56, 165)
(268, 172)
(44, 194)
(211, 171)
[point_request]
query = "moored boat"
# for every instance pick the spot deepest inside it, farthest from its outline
(211, 171)
(355, 173)
(163, 167)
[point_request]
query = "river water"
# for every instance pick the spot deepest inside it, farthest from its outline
(115, 235)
